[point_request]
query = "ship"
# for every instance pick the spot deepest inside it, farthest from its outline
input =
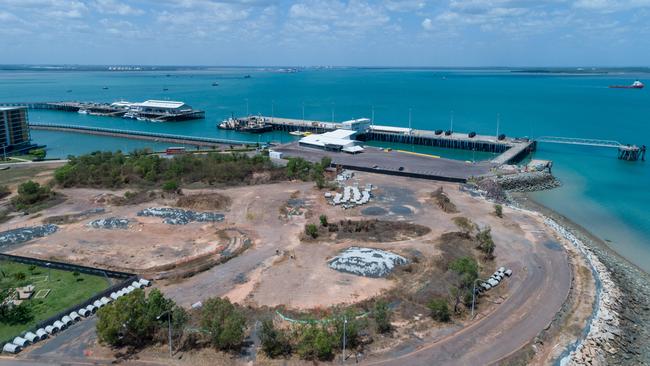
(252, 124)
(635, 85)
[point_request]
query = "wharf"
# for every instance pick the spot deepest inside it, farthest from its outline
(394, 162)
(106, 109)
(139, 135)
(511, 150)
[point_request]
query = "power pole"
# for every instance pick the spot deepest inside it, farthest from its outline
(345, 323)
(498, 121)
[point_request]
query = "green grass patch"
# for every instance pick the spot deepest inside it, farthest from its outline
(67, 288)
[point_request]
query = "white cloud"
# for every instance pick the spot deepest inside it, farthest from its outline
(404, 5)
(427, 24)
(611, 5)
(116, 7)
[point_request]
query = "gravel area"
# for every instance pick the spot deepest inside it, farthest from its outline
(21, 235)
(176, 216)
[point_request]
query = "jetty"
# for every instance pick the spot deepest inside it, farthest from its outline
(140, 135)
(510, 150)
(150, 110)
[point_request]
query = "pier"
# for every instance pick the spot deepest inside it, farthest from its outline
(119, 109)
(511, 150)
(625, 152)
(140, 135)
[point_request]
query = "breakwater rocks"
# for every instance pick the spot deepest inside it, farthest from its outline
(21, 235)
(528, 181)
(110, 223)
(604, 336)
(367, 262)
(176, 216)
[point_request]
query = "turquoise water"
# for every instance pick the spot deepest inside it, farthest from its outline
(603, 194)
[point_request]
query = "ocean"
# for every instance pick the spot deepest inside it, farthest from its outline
(603, 194)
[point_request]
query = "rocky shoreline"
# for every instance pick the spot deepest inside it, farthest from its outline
(619, 332)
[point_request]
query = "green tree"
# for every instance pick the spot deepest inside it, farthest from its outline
(439, 310)
(485, 242)
(311, 230)
(325, 162)
(275, 342)
(352, 328)
(498, 210)
(466, 270)
(315, 342)
(382, 314)
(225, 324)
(29, 194)
(323, 220)
(465, 225)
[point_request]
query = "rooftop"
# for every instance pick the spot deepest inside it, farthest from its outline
(161, 104)
(12, 108)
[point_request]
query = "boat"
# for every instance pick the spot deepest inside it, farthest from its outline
(228, 124)
(257, 128)
(250, 124)
(82, 111)
(297, 133)
(130, 114)
(215, 84)
(105, 88)
(247, 76)
(635, 85)
(165, 89)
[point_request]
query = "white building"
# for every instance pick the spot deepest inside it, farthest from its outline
(162, 106)
(337, 140)
(358, 125)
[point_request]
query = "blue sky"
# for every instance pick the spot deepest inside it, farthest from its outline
(327, 32)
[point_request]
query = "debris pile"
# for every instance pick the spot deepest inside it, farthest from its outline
(110, 223)
(367, 262)
(21, 235)
(351, 196)
(177, 216)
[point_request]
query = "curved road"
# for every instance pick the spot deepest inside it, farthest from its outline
(537, 292)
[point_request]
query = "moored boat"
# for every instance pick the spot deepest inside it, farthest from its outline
(635, 85)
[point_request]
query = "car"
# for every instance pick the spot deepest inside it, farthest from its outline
(401, 169)
(493, 282)
(501, 269)
(486, 286)
(508, 273)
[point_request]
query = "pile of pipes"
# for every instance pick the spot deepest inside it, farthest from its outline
(494, 280)
(367, 262)
(177, 216)
(109, 223)
(344, 176)
(58, 325)
(21, 235)
(352, 196)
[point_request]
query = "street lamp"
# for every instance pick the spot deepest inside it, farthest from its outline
(169, 329)
(247, 113)
(49, 270)
(345, 323)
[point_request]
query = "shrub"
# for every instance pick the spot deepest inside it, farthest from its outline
(465, 225)
(4, 191)
(275, 342)
(20, 276)
(498, 210)
(439, 310)
(31, 193)
(224, 323)
(382, 314)
(323, 220)
(485, 242)
(316, 343)
(170, 186)
(38, 154)
(311, 230)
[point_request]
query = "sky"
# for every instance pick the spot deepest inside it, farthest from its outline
(326, 32)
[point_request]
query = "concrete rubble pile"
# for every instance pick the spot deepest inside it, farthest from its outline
(352, 196)
(21, 235)
(177, 216)
(110, 223)
(367, 262)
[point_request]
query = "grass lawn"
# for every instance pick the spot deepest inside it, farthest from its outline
(66, 290)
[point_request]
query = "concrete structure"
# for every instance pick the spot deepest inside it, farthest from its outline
(14, 131)
(161, 106)
(359, 125)
(337, 140)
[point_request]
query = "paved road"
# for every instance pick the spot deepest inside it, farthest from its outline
(538, 290)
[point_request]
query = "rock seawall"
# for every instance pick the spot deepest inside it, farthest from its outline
(528, 181)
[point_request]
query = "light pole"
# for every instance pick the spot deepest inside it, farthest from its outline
(49, 270)
(247, 113)
(451, 126)
(169, 329)
(498, 121)
(332, 112)
(303, 113)
(372, 118)
(272, 109)
(345, 323)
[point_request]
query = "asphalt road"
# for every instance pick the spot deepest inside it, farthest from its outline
(537, 291)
